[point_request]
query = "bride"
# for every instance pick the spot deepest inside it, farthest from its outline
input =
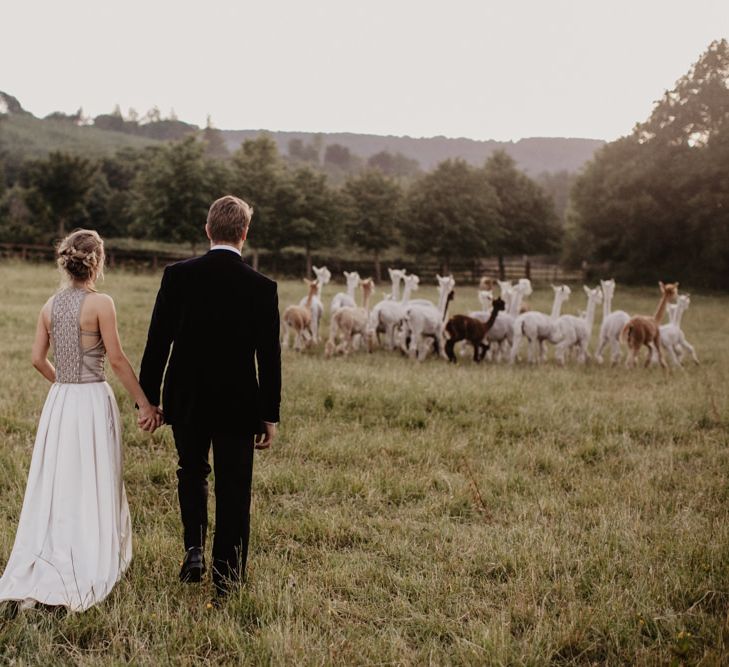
(74, 540)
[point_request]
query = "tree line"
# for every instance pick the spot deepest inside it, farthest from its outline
(456, 212)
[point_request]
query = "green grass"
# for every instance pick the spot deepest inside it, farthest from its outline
(419, 514)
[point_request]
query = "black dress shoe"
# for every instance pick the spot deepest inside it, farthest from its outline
(193, 566)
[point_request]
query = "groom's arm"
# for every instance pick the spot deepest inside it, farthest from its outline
(268, 356)
(159, 340)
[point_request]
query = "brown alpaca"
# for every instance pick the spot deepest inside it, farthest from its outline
(645, 330)
(298, 319)
(349, 322)
(486, 283)
(462, 327)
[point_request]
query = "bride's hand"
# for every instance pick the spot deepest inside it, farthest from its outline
(149, 418)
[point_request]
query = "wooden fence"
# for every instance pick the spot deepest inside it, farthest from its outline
(293, 265)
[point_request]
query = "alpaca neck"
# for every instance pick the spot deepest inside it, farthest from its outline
(443, 302)
(679, 315)
(492, 318)
(660, 313)
(309, 299)
(590, 315)
(351, 287)
(396, 289)
(607, 305)
(406, 293)
(556, 306)
(515, 302)
(366, 301)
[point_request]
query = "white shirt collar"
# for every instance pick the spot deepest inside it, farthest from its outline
(223, 246)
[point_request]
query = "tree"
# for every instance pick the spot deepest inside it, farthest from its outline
(172, 194)
(214, 142)
(529, 220)
(313, 213)
(301, 152)
(339, 156)
(653, 204)
(64, 182)
(394, 164)
(374, 206)
(453, 213)
(256, 176)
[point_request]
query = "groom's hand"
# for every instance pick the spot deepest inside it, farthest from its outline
(264, 440)
(150, 418)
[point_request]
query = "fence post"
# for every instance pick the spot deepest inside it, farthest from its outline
(527, 268)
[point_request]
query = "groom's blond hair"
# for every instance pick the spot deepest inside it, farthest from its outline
(228, 219)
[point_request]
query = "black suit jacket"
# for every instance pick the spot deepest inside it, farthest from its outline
(220, 317)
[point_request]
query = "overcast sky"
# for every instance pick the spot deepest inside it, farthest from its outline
(481, 68)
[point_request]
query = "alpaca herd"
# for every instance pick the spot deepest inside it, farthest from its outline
(418, 327)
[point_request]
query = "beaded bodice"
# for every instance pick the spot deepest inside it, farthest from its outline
(75, 363)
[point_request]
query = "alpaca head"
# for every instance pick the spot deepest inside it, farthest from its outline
(445, 283)
(486, 298)
(499, 304)
(352, 279)
(396, 275)
(368, 287)
(669, 290)
(594, 295)
(504, 287)
(524, 286)
(486, 283)
(562, 291)
(684, 301)
(608, 288)
(323, 275)
(313, 285)
(412, 281)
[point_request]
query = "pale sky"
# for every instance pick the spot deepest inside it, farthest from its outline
(480, 68)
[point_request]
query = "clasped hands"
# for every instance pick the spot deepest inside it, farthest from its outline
(150, 418)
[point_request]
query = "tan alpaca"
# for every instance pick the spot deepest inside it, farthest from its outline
(298, 320)
(644, 330)
(348, 322)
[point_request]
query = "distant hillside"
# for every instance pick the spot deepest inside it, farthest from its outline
(25, 137)
(534, 155)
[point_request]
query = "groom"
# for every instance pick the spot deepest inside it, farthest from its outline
(221, 319)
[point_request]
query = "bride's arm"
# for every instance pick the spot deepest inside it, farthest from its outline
(41, 345)
(148, 413)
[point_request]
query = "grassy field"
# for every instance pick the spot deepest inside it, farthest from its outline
(419, 514)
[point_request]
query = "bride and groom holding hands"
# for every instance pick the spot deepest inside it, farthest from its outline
(215, 329)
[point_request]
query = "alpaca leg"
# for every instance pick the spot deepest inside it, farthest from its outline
(450, 344)
(616, 352)
(600, 347)
(686, 345)
(285, 338)
(671, 355)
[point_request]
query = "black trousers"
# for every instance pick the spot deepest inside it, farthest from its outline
(233, 462)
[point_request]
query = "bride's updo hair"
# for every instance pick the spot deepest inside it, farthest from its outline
(81, 255)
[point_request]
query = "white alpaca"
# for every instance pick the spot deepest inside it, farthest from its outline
(323, 276)
(501, 333)
(426, 323)
(342, 299)
(387, 315)
(673, 340)
(612, 324)
(575, 332)
(538, 328)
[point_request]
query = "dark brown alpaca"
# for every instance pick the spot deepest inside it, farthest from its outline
(462, 327)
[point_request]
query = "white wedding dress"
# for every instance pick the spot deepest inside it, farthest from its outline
(74, 538)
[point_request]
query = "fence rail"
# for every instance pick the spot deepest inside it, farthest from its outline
(291, 264)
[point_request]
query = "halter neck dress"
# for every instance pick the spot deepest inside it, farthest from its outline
(74, 538)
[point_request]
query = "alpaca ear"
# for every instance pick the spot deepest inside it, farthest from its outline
(587, 289)
(661, 285)
(676, 285)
